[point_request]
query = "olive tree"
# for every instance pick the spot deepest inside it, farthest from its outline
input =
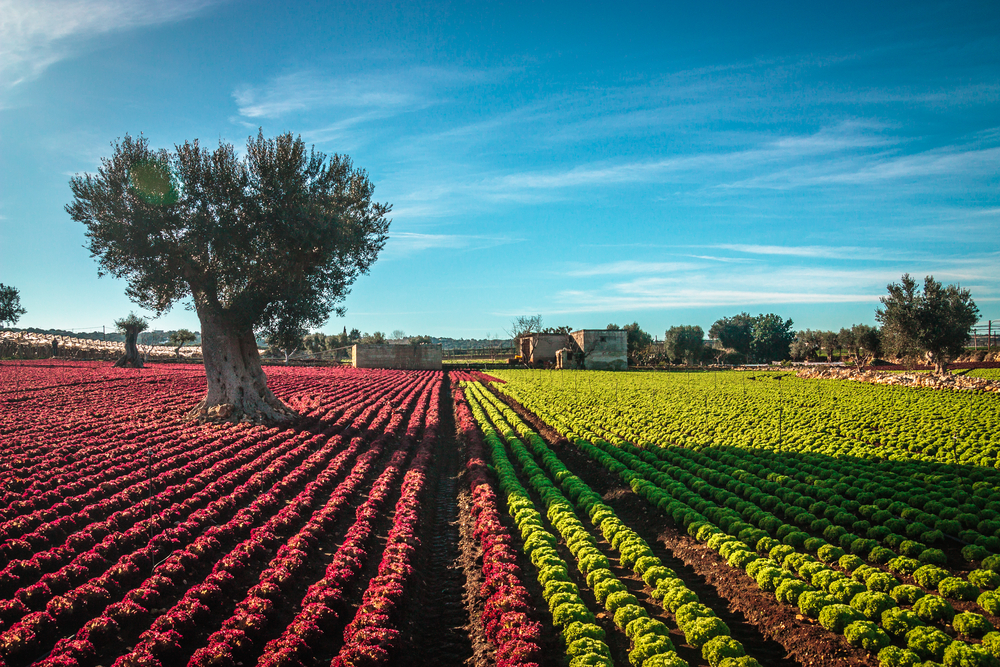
(131, 326)
(10, 305)
(684, 343)
(269, 242)
(935, 322)
(180, 338)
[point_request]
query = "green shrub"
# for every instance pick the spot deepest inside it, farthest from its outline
(741, 558)
(664, 660)
(814, 544)
(719, 648)
(872, 604)
(567, 613)
(562, 598)
(654, 574)
(591, 660)
(552, 573)
(862, 546)
(991, 563)
(929, 576)
(808, 569)
(619, 599)
(844, 590)
(755, 566)
(744, 661)
(592, 562)
(595, 577)
(778, 553)
(906, 593)
(970, 624)
(898, 622)
(862, 572)
(836, 617)
(577, 630)
(935, 556)
(850, 562)
(811, 602)
(768, 578)
(987, 579)
(606, 587)
(586, 645)
(677, 597)
(990, 601)
(904, 565)
(829, 553)
(554, 587)
(881, 581)
(956, 588)
(991, 642)
(911, 549)
(789, 590)
(881, 555)
(960, 654)
(646, 646)
(927, 642)
(644, 625)
(689, 612)
(644, 564)
(824, 578)
(866, 635)
(701, 630)
(974, 552)
(765, 544)
(628, 613)
(932, 608)
(893, 656)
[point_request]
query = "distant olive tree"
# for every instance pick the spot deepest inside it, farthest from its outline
(131, 326)
(684, 343)
(180, 338)
(10, 305)
(935, 322)
(735, 333)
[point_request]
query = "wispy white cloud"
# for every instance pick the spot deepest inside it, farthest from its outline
(630, 267)
(402, 244)
(389, 90)
(34, 34)
(814, 251)
(660, 285)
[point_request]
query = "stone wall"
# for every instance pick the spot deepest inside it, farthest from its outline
(602, 350)
(408, 357)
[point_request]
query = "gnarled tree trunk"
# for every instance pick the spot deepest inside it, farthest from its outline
(132, 358)
(237, 385)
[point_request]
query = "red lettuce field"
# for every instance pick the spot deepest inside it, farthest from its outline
(415, 518)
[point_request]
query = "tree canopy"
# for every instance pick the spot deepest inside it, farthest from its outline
(762, 338)
(934, 322)
(684, 343)
(735, 333)
(10, 305)
(131, 326)
(267, 243)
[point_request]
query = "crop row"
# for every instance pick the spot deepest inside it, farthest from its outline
(564, 494)
(189, 553)
(775, 411)
(507, 617)
(720, 503)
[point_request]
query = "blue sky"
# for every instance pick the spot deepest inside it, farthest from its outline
(667, 163)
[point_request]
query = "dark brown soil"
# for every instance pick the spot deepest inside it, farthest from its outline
(436, 628)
